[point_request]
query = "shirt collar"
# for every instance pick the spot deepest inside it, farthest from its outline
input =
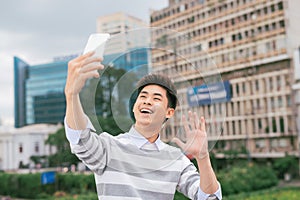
(139, 140)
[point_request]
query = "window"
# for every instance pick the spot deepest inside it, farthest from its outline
(20, 148)
(280, 6)
(289, 102)
(256, 85)
(266, 10)
(281, 23)
(36, 147)
(273, 25)
(240, 36)
(273, 8)
(267, 27)
(233, 37)
(259, 124)
(279, 101)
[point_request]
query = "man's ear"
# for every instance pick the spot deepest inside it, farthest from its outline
(170, 113)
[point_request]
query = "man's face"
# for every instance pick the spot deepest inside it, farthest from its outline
(151, 107)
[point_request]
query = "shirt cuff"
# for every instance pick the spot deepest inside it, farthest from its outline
(203, 196)
(72, 135)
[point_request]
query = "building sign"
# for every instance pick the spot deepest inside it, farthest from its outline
(209, 93)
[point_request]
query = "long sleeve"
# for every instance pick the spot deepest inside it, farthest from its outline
(216, 196)
(89, 147)
(189, 183)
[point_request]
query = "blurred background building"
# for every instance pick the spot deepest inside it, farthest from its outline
(39, 89)
(128, 46)
(18, 145)
(249, 43)
(39, 92)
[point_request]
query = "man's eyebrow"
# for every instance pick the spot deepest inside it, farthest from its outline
(144, 92)
(155, 94)
(158, 94)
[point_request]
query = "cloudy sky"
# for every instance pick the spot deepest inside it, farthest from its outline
(39, 30)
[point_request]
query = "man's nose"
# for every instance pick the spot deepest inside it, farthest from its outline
(148, 101)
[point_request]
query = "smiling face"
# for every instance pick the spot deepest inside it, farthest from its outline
(151, 108)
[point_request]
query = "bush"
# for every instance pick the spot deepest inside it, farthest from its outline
(246, 178)
(29, 185)
(287, 164)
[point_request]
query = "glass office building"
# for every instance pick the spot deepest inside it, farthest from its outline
(39, 89)
(39, 92)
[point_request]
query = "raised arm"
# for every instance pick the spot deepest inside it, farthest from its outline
(197, 145)
(80, 70)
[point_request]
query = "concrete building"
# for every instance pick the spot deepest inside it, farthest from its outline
(120, 24)
(128, 45)
(296, 90)
(246, 43)
(18, 145)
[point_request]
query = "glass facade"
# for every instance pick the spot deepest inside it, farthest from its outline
(133, 60)
(39, 89)
(39, 92)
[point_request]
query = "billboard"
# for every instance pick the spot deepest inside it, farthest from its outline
(207, 94)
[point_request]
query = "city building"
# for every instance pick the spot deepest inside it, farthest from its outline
(232, 61)
(39, 91)
(17, 145)
(296, 88)
(128, 46)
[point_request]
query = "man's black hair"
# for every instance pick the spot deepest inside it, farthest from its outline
(154, 79)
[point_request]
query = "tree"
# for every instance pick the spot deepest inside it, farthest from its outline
(63, 155)
(108, 98)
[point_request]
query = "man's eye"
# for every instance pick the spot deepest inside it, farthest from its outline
(158, 99)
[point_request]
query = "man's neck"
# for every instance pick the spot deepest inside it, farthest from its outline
(151, 134)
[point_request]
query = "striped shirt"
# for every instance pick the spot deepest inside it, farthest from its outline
(128, 167)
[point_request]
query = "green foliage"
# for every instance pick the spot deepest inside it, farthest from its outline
(287, 164)
(21, 185)
(76, 183)
(107, 98)
(180, 196)
(269, 194)
(63, 156)
(29, 185)
(246, 178)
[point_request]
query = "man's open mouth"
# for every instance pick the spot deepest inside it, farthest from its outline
(146, 111)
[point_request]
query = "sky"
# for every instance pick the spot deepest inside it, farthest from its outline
(39, 30)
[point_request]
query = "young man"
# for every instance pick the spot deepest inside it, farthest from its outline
(137, 164)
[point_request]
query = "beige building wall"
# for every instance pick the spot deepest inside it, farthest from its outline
(119, 26)
(246, 42)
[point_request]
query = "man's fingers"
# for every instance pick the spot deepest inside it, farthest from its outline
(91, 67)
(91, 74)
(192, 120)
(178, 142)
(84, 56)
(89, 60)
(196, 121)
(202, 124)
(186, 125)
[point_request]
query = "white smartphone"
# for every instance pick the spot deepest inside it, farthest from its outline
(96, 42)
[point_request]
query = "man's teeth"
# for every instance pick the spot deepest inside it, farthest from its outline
(146, 111)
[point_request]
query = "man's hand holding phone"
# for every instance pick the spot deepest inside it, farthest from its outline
(87, 65)
(96, 43)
